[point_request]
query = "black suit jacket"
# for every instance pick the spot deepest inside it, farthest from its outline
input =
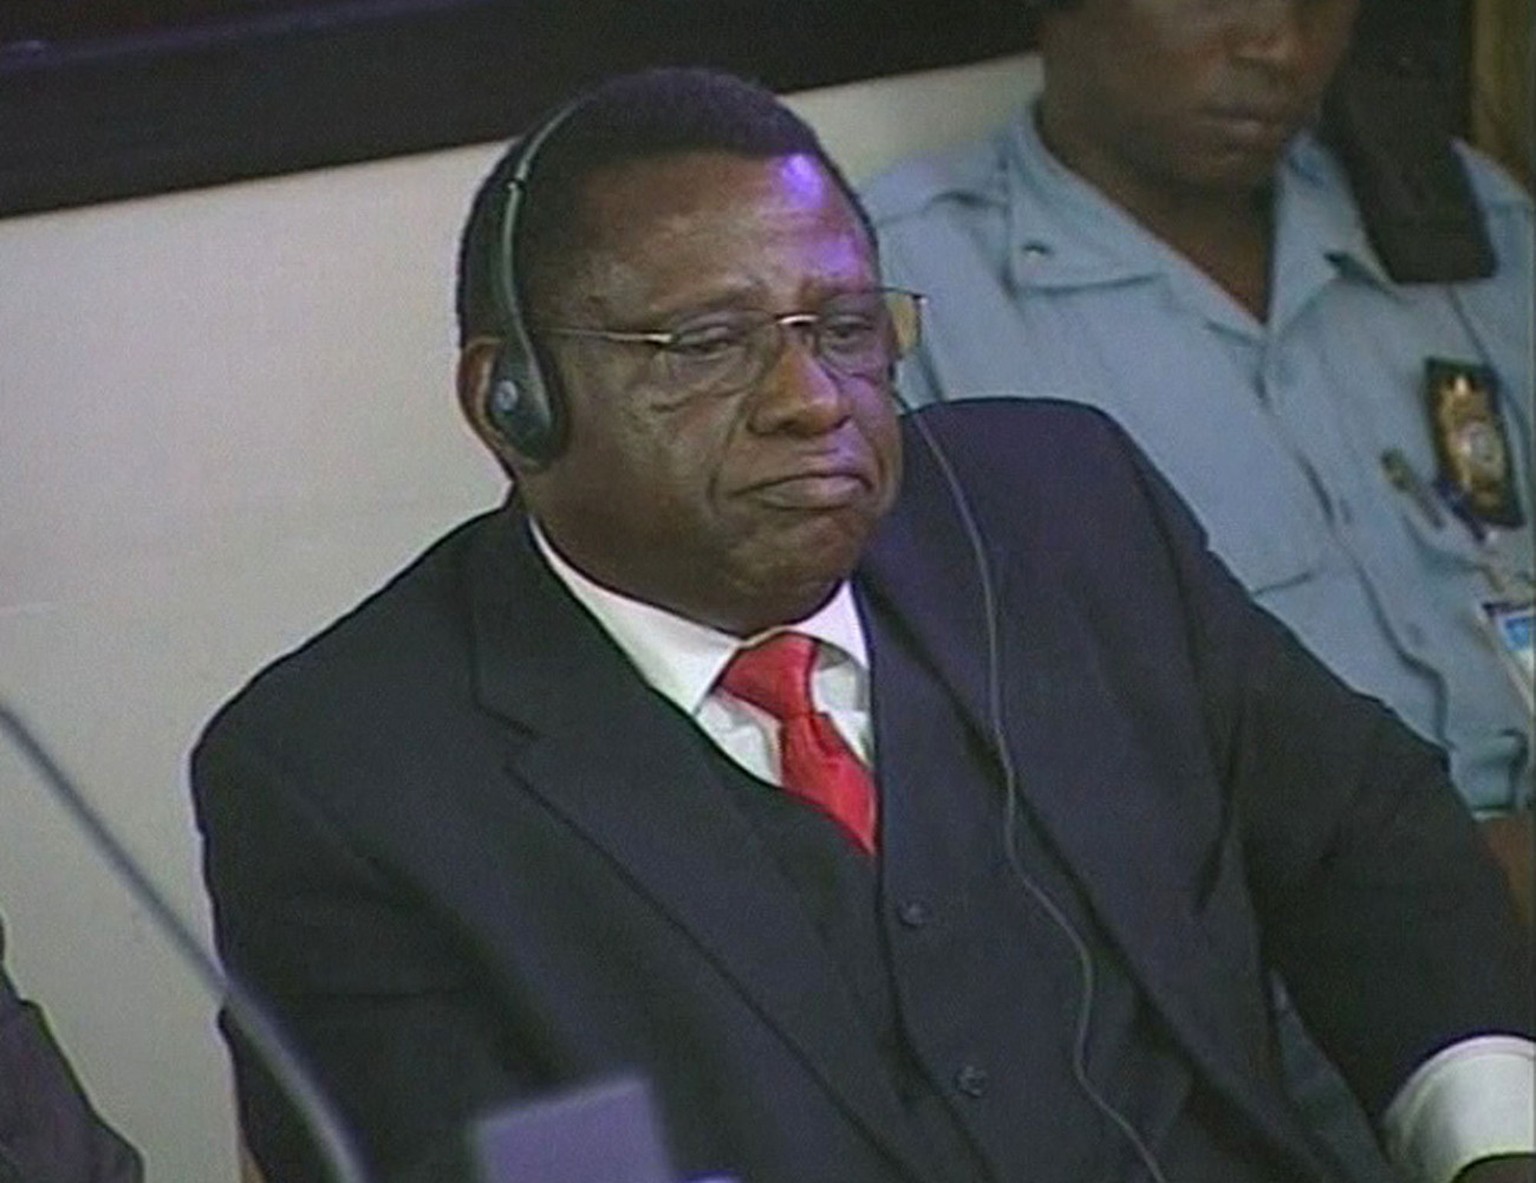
(49, 1132)
(469, 855)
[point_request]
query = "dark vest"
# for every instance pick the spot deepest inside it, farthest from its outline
(973, 993)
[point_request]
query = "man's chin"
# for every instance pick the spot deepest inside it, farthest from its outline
(825, 546)
(792, 581)
(1242, 170)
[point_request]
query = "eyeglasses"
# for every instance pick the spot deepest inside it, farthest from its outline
(857, 335)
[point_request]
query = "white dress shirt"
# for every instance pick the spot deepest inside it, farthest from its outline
(681, 660)
(1475, 1099)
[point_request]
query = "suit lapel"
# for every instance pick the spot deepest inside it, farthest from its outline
(626, 770)
(1078, 772)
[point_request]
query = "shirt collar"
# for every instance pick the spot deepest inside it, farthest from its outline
(1316, 214)
(1066, 233)
(679, 658)
(1063, 232)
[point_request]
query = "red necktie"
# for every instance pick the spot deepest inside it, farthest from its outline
(817, 765)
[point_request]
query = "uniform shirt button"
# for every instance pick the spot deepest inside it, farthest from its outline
(972, 1080)
(914, 914)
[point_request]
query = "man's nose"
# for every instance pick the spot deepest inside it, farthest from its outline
(798, 393)
(1267, 32)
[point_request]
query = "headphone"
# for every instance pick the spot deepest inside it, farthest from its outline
(522, 404)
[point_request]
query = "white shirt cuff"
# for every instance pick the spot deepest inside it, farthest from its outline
(1475, 1099)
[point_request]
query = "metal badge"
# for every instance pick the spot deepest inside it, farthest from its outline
(1471, 444)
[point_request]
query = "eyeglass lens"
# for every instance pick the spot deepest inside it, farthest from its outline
(858, 336)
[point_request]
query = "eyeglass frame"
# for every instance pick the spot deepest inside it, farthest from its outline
(665, 340)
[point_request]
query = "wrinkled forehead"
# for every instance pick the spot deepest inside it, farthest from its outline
(714, 218)
(621, 202)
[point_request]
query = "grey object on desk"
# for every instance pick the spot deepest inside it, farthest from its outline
(604, 1133)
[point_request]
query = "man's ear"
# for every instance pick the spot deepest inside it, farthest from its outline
(477, 362)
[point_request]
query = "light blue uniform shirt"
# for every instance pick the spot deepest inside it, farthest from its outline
(1039, 286)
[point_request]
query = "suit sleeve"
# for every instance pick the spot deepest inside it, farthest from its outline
(48, 1128)
(1377, 900)
(353, 973)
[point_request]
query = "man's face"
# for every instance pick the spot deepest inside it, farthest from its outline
(744, 507)
(1186, 96)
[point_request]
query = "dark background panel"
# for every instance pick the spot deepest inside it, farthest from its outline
(102, 99)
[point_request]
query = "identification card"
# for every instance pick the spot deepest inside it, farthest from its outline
(1510, 624)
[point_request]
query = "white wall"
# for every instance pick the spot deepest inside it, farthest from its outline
(224, 416)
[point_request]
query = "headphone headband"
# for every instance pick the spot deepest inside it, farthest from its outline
(523, 404)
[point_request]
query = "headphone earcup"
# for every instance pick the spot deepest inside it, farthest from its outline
(519, 409)
(522, 406)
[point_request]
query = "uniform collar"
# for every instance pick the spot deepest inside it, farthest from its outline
(1064, 233)
(1316, 213)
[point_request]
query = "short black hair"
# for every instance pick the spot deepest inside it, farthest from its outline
(644, 115)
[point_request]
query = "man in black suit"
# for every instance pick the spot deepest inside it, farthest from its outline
(997, 903)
